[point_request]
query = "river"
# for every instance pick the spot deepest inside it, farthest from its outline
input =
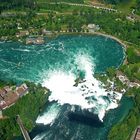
(83, 112)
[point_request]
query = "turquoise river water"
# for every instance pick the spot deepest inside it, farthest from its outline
(83, 112)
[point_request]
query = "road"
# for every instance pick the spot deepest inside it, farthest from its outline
(82, 5)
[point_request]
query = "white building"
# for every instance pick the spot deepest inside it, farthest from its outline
(93, 28)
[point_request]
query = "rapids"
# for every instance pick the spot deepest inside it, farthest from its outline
(89, 94)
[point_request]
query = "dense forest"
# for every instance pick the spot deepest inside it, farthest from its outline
(137, 8)
(34, 101)
(12, 4)
(32, 4)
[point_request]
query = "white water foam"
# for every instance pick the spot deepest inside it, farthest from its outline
(39, 137)
(23, 50)
(89, 94)
(49, 116)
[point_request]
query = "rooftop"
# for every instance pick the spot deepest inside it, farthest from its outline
(21, 90)
(22, 33)
(38, 40)
(2, 93)
(8, 96)
(11, 98)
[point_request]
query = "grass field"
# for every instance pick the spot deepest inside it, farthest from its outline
(71, 1)
(127, 6)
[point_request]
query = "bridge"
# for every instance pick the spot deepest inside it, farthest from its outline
(22, 128)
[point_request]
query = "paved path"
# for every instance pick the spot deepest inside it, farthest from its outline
(22, 128)
(1, 114)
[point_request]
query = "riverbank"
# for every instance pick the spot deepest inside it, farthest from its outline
(41, 39)
(105, 35)
(100, 34)
(56, 34)
(94, 33)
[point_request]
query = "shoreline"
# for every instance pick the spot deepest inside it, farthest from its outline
(100, 34)
(94, 33)
(57, 34)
